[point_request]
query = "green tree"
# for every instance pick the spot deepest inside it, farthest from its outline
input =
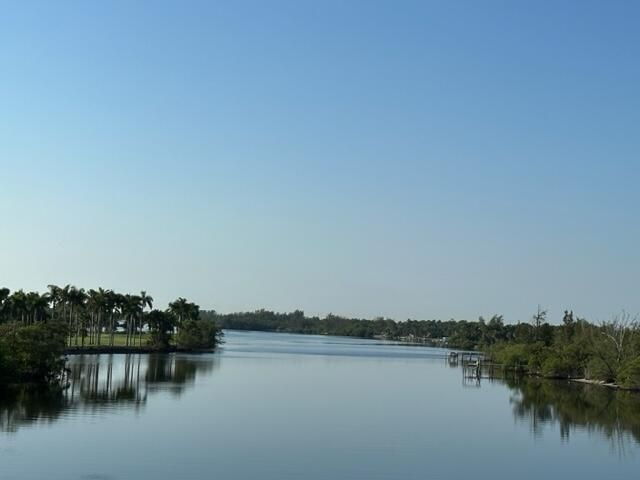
(161, 325)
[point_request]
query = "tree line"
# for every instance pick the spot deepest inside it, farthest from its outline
(572, 348)
(37, 328)
(298, 322)
(607, 352)
(460, 334)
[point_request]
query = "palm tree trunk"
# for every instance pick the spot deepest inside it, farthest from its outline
(99, 326)
(112, 330)
(70, 325)
(128, 329)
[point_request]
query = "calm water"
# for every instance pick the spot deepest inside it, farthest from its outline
(277, 406)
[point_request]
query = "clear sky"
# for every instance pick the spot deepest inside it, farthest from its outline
(405, 159)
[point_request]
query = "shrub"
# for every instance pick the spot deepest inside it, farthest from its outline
(33, 353)
(197, 335)
(512, 356)
(160, 325)
(538, 354)
(598, 369)
(629, 376)
(555, 366)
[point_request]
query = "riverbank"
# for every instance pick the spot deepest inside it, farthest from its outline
(115, 350)
(602, 383)
(522, 371)
(306, 384)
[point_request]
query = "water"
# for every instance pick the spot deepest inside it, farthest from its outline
(278, 406)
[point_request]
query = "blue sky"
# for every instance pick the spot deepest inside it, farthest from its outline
(405, 159)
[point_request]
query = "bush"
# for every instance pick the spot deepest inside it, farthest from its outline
(555, 366)
(160, 325)
(598, 369)
(538, 354)
(33, 353)
(513, 356)
(197, 335)
(629, 376)
(4, 363)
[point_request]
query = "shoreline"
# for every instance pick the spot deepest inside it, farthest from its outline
(583, 381)
(123, 350)
(602, 383)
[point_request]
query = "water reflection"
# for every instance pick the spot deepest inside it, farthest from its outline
(571, 407)
(20, 406)
(99, 383)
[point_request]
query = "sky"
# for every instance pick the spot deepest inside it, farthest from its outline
(444, 159)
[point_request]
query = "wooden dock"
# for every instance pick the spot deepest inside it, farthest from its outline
(476, 366)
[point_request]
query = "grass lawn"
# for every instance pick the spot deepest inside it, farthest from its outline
(119, 340)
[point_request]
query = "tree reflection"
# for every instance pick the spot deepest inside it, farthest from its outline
(19, 406)
(100, 383)
(570, 406)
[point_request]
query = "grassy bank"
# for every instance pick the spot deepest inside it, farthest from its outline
(119, 340)
(121, 344)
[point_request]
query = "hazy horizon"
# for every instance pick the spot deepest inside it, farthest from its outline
(425, 160)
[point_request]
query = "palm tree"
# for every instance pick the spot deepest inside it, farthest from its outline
(103, 296)
(193, 311)
(4, 304)
(77, 299)
(65, 299)
(180, 309)
(120, 306)
(88, 314)
(131, 307)
(36, 306)
(55, 297)
(18, 305)
(184, 311)
(111, 305)
(145, 301)
(160, 323)
(97, 306)
(92, 307)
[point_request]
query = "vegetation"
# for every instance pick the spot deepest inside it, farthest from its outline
(197, 334)
(608, 352)
(37, 329)
(31, 353)
(297, 322)
(457, 334)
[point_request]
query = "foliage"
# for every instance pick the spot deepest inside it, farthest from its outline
(629, 375)
(574, 348)
(35, 329)
(197, 335)
(161, 324)
(460, 334)
(94, 317)
(31, 353)
(555, 366)
(513, 356)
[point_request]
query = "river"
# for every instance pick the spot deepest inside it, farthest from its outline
(274, 406)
